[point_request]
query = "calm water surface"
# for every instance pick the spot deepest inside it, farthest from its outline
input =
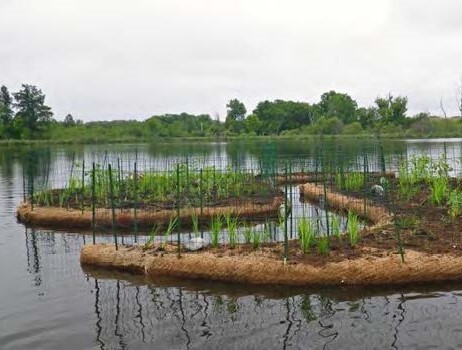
(48, 302)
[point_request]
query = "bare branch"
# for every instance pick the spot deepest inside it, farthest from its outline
(442, 108)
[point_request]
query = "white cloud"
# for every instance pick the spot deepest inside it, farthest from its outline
(117, 59)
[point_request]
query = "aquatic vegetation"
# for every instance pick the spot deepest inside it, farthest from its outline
(231, 225)
(171, 226)
(336, 226)
(195, 223)
(247, 233)
(256, 239)
(439, 190)
(152, 235)
(322, 244)
(407, 222)
(306, 234)
(455, 203)
(216, 226)
(354, 181)
(266, 234)
(419, 170)
(339, 180)
(187, 186)
(353, 228)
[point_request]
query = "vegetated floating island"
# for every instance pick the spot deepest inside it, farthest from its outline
(103, 197)
(414, 236)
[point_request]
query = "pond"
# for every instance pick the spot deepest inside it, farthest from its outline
(48, 301)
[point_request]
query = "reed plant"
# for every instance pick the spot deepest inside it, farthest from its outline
(306, 234)
(231, 225)
(334, 219)
(354, 181)
(152, 235)
(439, 190)
(353, 228)
(266, 234)
(171, 226)
(256, 239)
(322, 245)
(216, 226)
(339, 180)
(247, 233)
(455, 203)
(195, 223)
(195, 186)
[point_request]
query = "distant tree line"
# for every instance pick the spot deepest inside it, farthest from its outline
(24, 115)
(334, 113)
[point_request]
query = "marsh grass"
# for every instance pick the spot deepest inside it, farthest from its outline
(256, 239)
(171, 226)
(322, 245)
(247, 233)
(152, 235)
(354, 181)
(420, 170)
(455, 203)
(216, 226)
(353, 228)
(195, 224)
(194, 188)
(231, 225)
(339, 180)
(306, 234)
(439, 190)
(336, 226)
(266, 234)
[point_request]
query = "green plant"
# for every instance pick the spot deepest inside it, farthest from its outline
(336, 226)
(339, 180)
(322, 244)
(354, 181)
(439, 190)
(152, 235)
(171, 226)
(412, 173)
(305, 234)
(266, 234)
(195, 223)
(455, 203)
(407, 222)
(256, 239)
(231, 225)
(247, 233)
(353, 228)
(216, 226)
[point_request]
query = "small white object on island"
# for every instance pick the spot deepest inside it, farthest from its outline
(378, 190)
(195, 243)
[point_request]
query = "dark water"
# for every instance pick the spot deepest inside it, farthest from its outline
(48, 302)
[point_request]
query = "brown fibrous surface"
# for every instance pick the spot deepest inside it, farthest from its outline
(61, 218)
(368, 266)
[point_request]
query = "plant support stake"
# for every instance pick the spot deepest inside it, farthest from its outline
(111, 196)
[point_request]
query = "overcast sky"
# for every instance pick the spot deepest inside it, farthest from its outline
(118, 59)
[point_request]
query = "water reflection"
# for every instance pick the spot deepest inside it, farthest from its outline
(174, 313)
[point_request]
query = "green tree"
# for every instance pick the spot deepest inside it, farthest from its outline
(341, 106)
(367, 117)
(235, 115)
(280, 115)
(69, 120)
(253, 125)
(32, 111)
(392, 110)
(6, 112)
